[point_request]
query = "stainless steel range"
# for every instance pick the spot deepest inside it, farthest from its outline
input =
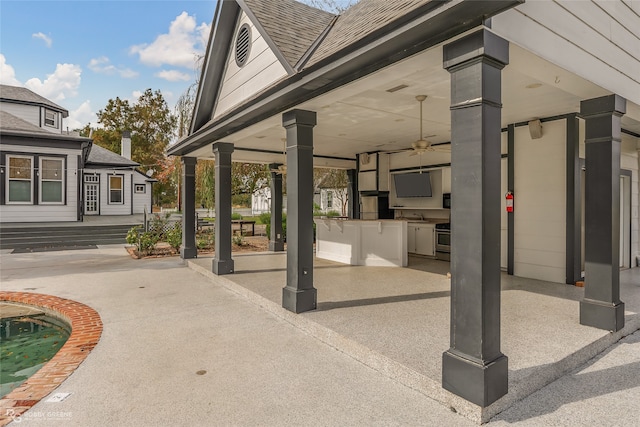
(443, 241)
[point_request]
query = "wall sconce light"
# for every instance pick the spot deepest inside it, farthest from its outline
(535, 129)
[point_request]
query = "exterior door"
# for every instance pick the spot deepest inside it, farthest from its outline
(91, 194)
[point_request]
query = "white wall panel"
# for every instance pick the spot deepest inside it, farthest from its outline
(540, 203)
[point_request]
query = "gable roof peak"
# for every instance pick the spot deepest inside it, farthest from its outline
(24, 95)
(290, 27)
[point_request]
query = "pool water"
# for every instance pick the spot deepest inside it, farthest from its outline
(26, 344)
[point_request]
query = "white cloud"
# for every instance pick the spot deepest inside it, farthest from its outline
(103, 65)
(47, 40)
(82, 115)
(62, 84)
(173, 75)
(180, 47)
(7, 73)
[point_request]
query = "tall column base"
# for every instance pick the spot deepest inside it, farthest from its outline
(222, 267)
(188, 253)
(601, 315)
(299, 300)
(276, 246)
(479, 384)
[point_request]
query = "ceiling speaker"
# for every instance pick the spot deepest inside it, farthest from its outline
(535, 129)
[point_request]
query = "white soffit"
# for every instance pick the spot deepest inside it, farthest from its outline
(363, 116)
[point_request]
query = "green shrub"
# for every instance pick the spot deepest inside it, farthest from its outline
(236, 216)
(265, 218)
(268, 223)
(205, 239)
(238, 239)
(159, 223)
(147, 241)
(133, 235)
(317, 211)
(333, 213)
(174, 236)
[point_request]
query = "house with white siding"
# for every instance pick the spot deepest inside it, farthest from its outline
(50, 175)
(113, 185)
(510, 130)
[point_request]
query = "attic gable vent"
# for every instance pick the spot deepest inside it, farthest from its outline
(243, 45)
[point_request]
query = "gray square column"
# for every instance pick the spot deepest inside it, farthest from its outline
(601, 306)
(222, 262)
(473, 367)
(299, 295)
(188, 249)
(276, 240)
(352, 194)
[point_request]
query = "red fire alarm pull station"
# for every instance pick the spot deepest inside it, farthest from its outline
(509, 199)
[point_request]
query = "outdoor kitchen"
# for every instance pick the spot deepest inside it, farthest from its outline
(403, 211)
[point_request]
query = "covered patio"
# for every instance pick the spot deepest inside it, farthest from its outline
(448, 88)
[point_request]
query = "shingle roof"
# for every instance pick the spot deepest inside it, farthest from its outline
(22, 94)
(10, 122)
(292, 26)
(360, 20)
(103, 157)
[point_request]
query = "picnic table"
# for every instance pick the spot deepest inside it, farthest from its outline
(242, 223)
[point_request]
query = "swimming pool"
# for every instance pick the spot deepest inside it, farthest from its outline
(26, 344)
(86, 329)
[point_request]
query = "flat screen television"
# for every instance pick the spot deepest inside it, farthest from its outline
(412, 184)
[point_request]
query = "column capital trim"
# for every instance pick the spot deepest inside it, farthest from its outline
(189, 161)
(482, 43)
(299, 118)
(222, 147)
(604, 105)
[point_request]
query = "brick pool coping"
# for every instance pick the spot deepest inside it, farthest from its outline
(86, 328)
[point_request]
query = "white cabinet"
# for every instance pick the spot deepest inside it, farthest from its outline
(421, 239)
(411, 238)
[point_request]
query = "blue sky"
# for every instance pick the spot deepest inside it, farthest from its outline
(82, 53)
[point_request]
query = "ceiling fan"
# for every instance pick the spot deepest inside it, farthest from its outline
(422, 145)
(282, 169)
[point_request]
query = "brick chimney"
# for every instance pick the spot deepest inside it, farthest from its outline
(126, 144)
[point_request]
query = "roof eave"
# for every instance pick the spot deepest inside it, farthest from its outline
(389, 45)
(223, 24)
(44, 135)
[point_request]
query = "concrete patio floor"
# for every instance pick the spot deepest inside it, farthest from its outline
(370, 355)
(396, 320)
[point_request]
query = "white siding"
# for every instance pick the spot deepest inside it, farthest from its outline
(141, 201)
(28, 113)
(540, 203)
(107, 208)
(47, 212)
(597, 40)
(261, 70)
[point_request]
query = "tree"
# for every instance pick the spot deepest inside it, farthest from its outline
(205, 183)
(335, 179)
(152, 127)
(151, 124)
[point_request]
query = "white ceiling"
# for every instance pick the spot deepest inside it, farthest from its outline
(364, 117)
